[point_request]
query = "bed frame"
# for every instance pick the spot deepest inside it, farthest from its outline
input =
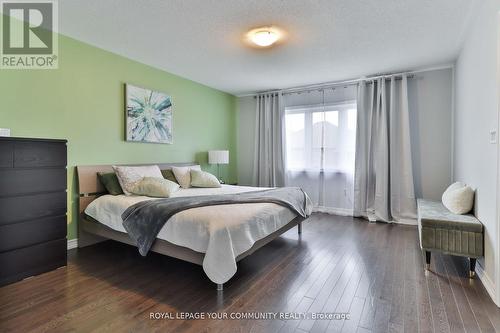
(91, 232)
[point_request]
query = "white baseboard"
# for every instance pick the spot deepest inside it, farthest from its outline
(487, 283)
(333, 211)
(407, 222)
(350, 212)
(72, 243)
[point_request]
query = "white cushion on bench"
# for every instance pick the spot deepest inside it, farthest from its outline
(458, 198)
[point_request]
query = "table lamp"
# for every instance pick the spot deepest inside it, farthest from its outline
(218, 157)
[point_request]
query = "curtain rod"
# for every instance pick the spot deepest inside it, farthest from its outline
(325, 85)
(369, 80)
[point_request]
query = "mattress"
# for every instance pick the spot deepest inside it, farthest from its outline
(221, 232)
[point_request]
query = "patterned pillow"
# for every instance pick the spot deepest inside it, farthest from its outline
(129, 175)
(155, 187)
(183, 175)
(203, 179)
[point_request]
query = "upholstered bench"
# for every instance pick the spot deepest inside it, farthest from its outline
(441, 230)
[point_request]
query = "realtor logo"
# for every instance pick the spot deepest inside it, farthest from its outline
(29, 35)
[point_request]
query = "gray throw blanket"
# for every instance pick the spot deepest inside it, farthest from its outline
(144, 220)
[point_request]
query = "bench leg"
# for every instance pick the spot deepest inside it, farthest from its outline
(299, 229)
(427, 260)
(472, 267)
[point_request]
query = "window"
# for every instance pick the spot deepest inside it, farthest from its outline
(321, 137)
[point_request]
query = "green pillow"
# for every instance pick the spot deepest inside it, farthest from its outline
(203, 179)
(168, 174)
(154, 187)
(110, 182)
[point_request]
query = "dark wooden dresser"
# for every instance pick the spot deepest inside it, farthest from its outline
(32, 207)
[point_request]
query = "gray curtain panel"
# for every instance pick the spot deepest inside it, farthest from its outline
(383, 177)
(269, 161)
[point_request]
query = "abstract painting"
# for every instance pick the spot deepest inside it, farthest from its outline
(149, 115)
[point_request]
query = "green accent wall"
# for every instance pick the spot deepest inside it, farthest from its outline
(83, 102)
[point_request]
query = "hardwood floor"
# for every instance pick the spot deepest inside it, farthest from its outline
(374, 272)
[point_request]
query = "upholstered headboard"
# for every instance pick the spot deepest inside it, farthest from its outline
(89, 186)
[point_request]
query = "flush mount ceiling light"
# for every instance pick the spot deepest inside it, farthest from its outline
(264, 37)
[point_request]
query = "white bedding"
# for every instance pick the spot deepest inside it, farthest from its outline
(221, 232)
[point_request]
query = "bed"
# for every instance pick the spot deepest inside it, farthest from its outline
(215, 237)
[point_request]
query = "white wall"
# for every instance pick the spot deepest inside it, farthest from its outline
(430, 102)
(476, 113)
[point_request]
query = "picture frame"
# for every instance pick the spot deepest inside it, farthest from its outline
(148, 115)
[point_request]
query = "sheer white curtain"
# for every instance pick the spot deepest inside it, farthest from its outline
(384, 188)
(320, 146)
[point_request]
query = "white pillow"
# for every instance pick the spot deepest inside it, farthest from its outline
(155, 187)
(458, 198)
(128, 176)
(203, 179)
(183, 174)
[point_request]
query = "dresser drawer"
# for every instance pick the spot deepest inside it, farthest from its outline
(18, 264)
(6, 154)
(23, 181)
(28, 207)
(39, 154)
(18, 235)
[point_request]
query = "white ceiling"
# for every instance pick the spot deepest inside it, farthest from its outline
(328, 40)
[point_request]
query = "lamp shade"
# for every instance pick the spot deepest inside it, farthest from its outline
(218, 157)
